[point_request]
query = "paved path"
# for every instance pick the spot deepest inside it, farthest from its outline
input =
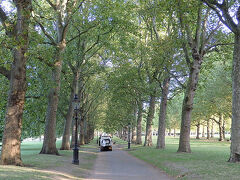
(119, 165)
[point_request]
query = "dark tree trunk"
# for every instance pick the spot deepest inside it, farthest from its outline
(187, 107)
(223, 129)
(82, 139)
(203, 131)
(208, 129)
(86, 131)
(126, 133)
(235, 127)
(162, 115)
(198, 131)
(148, 136)
(49, 142)
(11, 142)
(169, 132)
(220, 126)
(120, 133)
(69, 118)
(139, 122)
(73, 134)
(212, 130)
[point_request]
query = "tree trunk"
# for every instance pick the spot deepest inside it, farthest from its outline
(169, 132)
(49, 142)
(223, 129)
(212, 130)
(125, 131)
(235, 127)
(134, 129)
(86, 131)
(69, 118)
(148, 136)
(187, 107)
(82, 140)
(198, 131)
(208, 130)
(220, 125)
(162, 115)
(139, 122)
(11, 142)
(134, 134)
(174, 132)
(73, 134)
(203, 131)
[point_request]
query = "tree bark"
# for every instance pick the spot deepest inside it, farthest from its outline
(11, 142)
(235, 127)
(73, 134)
(162, 115)
(125, 129)
(82, 139)
(139, 122)
(223, 129)
(208, 129)
(198, 131)
(86, 131)
(212, 130)
(134, 134)
(49, 142)
(69, 118)
(184, 140)
(220, 126)
(203, 131)
(148, 136)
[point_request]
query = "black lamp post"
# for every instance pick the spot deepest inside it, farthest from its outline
(129, 141)
(97, 137)
(75, 149)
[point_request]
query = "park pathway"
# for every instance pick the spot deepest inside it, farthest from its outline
(119, 165)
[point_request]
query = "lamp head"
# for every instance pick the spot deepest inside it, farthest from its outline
(76, 103)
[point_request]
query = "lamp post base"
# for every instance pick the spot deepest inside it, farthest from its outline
(75, 156)
(129, 145)
(76, 162)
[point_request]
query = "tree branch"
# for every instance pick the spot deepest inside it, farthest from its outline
(45, 32)
(81, 33)
(225, 17)
(209, 49)
(52, 5)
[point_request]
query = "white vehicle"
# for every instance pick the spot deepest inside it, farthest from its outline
(105, 143)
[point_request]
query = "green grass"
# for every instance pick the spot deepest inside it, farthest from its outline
(208, 159)
(39, 166)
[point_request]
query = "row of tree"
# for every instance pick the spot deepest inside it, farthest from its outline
(121, 58)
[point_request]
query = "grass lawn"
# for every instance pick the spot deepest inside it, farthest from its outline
(39, 166)
(208, 159)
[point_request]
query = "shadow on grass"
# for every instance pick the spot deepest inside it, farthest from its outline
(44, 166)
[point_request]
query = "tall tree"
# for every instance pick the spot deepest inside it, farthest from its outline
(224, 11)
(198, 43)
(63, 12)
(18, 32)
(162, 115)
